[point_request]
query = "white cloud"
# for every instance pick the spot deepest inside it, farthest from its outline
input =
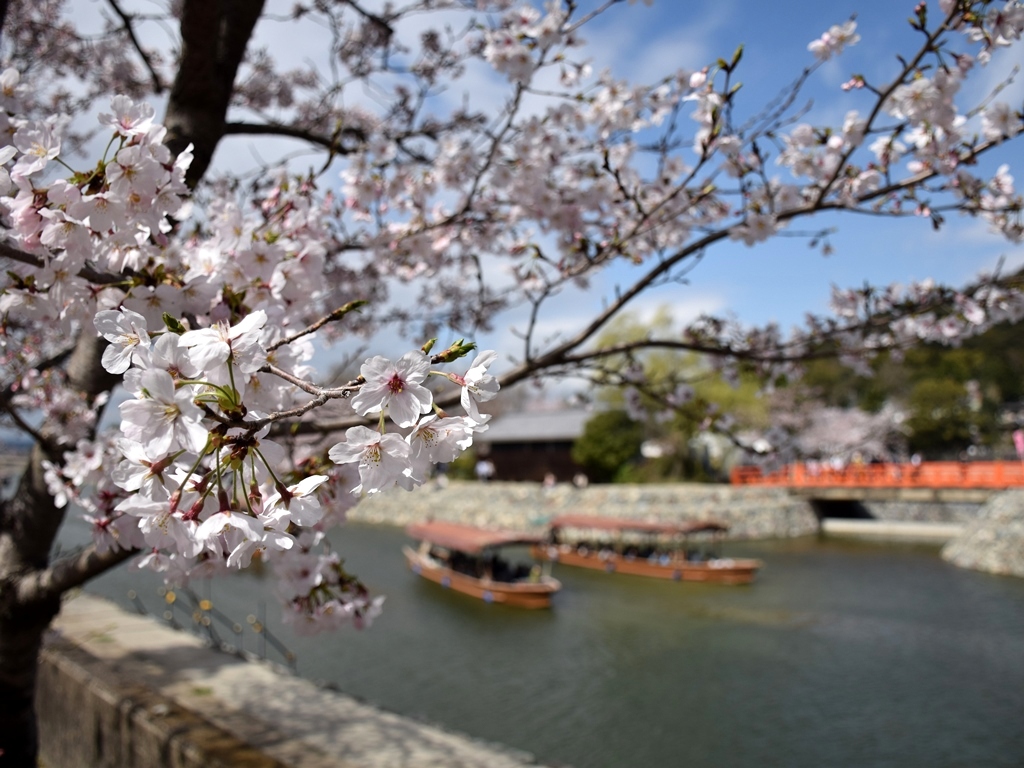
(640, 46)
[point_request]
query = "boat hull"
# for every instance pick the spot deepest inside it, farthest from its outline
(717, 571)
(517, 594)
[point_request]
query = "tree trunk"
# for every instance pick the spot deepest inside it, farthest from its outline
(214, 36)
(21, 638)
(28, 525)
(29, 522)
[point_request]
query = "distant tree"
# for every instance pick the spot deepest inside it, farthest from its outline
(610, 440)
(679, 396)
(951, 395)
(942, 422)
(999, 368)
(805, 426)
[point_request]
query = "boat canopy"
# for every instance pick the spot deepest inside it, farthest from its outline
(466, 538)
(602, 523)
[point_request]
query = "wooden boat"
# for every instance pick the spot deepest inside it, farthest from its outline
(468, 560)
(677, 551)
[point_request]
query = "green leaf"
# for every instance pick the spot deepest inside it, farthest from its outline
(174, 325)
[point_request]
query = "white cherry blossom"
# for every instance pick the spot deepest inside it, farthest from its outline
(213, 346)
(395, 386)
(128, 118)
(295, 504)
(479, 386)
(381, 459)
(161, 526)
(165, 418)
(834, 40)
(126, 332)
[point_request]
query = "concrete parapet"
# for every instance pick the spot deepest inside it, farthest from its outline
(92, 716)
(123, 691)
(904, 530)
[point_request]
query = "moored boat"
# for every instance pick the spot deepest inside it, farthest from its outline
(468, 560)
(689, 551)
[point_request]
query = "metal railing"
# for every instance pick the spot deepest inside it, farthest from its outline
(929, 474)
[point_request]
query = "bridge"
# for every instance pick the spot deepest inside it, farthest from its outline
(931, 481)
(842, 497)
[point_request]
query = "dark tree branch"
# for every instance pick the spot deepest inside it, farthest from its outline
(379, 21)
(86, 273)
(126, 19)
(332, 143)
(69, 572)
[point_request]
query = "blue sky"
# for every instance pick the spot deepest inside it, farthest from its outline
(774, 281)
(781, 279)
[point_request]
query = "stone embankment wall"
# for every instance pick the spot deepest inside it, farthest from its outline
(751, 513)
(923, 512)
(993, 541)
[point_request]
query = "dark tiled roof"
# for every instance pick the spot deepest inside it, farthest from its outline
(535, 427)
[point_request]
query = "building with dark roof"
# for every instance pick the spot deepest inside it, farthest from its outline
(529, 445)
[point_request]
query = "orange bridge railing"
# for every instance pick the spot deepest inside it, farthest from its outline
(929, 474)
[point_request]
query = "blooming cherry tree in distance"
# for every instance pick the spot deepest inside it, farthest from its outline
(161, 313)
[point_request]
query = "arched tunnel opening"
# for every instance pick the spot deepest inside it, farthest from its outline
(845, 509)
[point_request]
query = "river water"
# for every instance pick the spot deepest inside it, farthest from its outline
(841, 654)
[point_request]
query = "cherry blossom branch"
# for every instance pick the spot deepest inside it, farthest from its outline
(338, 314)
(25, 427)
(908, 68)
(560, 354)
(54, 360)
(378, 21)
(589, 16)
(911, 182)
(322, 395)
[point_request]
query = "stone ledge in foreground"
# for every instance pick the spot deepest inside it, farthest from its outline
(120, 690)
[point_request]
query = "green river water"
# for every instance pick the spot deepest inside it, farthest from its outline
(840, 654)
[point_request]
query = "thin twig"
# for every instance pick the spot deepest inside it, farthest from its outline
(337, 314)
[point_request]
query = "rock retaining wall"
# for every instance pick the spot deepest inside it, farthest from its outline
(994, 540)
(923, 512)
(751, 513)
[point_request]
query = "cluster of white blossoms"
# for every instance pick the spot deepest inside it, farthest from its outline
(834, 40)
(581, 180)
(203, 481)
(210, 336)
(396, 388)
